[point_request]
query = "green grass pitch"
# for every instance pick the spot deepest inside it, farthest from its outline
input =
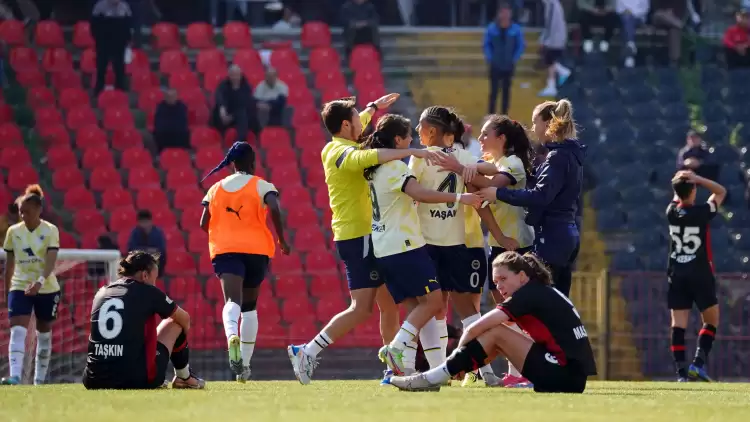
(361, 401)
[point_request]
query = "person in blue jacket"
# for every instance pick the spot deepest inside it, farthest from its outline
(503, 46)
(553, 204)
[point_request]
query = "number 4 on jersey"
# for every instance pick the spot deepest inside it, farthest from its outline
(449, 184)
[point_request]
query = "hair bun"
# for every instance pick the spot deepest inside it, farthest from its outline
(34, 190)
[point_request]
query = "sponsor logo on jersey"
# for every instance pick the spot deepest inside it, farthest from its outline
(374, 275)
(170, 301)
(108, 350)
(475, 264)
(443, 215)
(580, 332)
(29, 252)
(551, 359)
(378, 228)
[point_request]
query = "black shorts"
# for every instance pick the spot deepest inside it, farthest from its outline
(251, 268)
(698, 289)
(454, 268)
(122, 383)
(551, 56)
(542, 369)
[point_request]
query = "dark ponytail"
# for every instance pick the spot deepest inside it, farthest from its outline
(517, 140)
(528, 263)
(389, 126)
(137, 261)
(446, 120)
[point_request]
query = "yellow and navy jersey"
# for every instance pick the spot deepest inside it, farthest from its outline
(29, 249)
(344, 164)
(509, 218)
(395, 223)
(442, 224)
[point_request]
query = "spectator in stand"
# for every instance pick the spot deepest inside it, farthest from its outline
(8, 219)
(98, 269)
(147, 237)
(696, 156)
(674, 15)
(171, 123)
(360, 22)
(554, 40)
(503, 46)
(737, 40)
(271, 95)
(235, 106)
(286, 19)
(632, 14)
(598, 13)
(110, 27)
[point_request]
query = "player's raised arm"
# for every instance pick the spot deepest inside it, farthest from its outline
(487, 322)
(421, 194)
(718, 192)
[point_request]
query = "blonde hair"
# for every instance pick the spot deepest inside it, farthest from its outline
(559, 114)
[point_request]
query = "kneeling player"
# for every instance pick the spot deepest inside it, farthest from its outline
(690, 270)
(558, 356)
(126, 348)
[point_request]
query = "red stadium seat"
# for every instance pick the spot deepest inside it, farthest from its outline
(6, 113)
(180, 264)
(21, 177)
(183, 79)
(198, 114)
(143, 80)
(181, 178)
(103, 178)
(139, 63)
(40, 96)
(116, 197)
(296, 309)
(91, 136)
(284, 59)
(333, 94)
(331, 78)
(181, 288)
(134, 157)
(305, 116)
(326, 285)
(78, 198)
(162, 215)
(172, 61)
(126, 138)
(88, 61)
(175, 239)
(143, 177)
(190, 217)
(122, 219)
(364, 56)
(80, 117)
(320, 260)
(212, 59)
(192, 96)
(286, 264)
(300, 98)
(61, 155)
(149, 99)
(212, 78)
(281, 157)
(197, 241)
(67, 240)
(57, 60)
(14, 156)
(151, 198)
(210, 180)
(200, 35)
(23, 59)
(237, 35)
(300, 215)
(273, 137)
(214, 292)
(12, 32)
(48, 33)
(324, 58)
(84, 220)
(329, 305)
(290, 286)
(111, 98)
(66, 79)
(73, 97)
(166, 36)
(315, 34)
(204, 137)
(308, 239)
(297, 194)
(66, 178)
(117, 119)
(205, 268)
(90, 238)
(10, 134)
(248, 60)
(48, 116)
(172, 158)
(54, 134)
(29, 78)
(368, 77)
(82, 35)
(207, 158)
(321, 199)
(301, 329)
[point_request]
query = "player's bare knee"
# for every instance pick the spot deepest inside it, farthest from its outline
(433, 302)
(711, 316)
(44, 326)
(680, 318)
(360, 312)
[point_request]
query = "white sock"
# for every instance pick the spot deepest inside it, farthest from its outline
(16, 350)
(438, 375)
(561, 69)
(551, 83)
(468, 321)
(183, 373)
(443, 330)
(512, 370)
(405, 334)
(320, 342)
(231, 317)
(43, 350)
(429, 336)
(409, 358)
(248, 334)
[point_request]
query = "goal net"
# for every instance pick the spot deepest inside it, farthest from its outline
(80, 273)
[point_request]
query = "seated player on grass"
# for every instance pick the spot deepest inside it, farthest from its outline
(126, 348)
(556, 359)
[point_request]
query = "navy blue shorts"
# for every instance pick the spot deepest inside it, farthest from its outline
(453, 265)
(557, 244)
(495, 251)
(359, 261)
(478, 277)
(409, 274)
(251, 267)
(44, 305)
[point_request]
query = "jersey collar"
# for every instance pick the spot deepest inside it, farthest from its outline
(344, 141)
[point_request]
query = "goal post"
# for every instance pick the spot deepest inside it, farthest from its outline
(80, 273)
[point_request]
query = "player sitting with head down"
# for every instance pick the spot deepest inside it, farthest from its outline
(558, 356)
(126, 348)
(444, 226)
(690, 270)
(399, 245)
(31, 253)
(241, 246)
